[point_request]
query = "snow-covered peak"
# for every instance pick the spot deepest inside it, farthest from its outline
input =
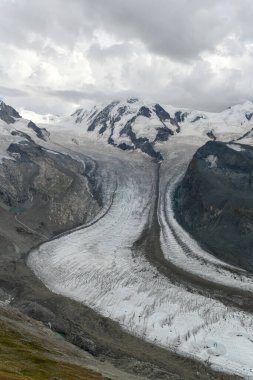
(243, 106)
(239, 112)
(119, 114)
(129, 124)
(113, 109)
(135, 124)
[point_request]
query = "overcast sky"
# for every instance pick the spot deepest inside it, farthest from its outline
(56, 55)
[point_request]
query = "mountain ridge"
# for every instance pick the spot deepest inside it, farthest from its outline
(134, 124)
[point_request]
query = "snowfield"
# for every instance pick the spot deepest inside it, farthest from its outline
(39, 119)
(101, 266)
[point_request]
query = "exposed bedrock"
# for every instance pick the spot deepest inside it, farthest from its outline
(214, 201)
(47, 191)
(8, 114)
(43, 193)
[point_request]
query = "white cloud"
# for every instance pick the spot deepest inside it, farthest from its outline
(58, 54)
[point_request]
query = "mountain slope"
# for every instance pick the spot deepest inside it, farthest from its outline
(8, 114)
(129, 125)
(104, 263)
(53, 190)
(30, 351)
(14, 129)
(214, 202)
(38, 118)
(134, 124)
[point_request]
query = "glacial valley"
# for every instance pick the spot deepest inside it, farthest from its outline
(127, 228)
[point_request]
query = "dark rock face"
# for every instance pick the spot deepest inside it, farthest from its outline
(180, 116)
(248, 115)
(125, 146)
(163, 134)
(54, 188)
(144, 111)
(24, 135)
(211, 135)
(102, 117)
(197, 118)
(8, 114)
(42, 133)
(165, 116)
(214, 201)
(161, 113)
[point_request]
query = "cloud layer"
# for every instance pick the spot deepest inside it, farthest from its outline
(59, 54)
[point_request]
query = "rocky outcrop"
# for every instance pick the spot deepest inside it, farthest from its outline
(8, 114)
(41, 133)
(214, 201)
(53, 190)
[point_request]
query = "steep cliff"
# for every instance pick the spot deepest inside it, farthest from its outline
(214, 201)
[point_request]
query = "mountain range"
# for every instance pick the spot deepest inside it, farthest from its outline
(127, 227)
(134, 124)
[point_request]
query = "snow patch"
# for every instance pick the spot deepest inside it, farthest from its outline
(212, 161)
(236, 147)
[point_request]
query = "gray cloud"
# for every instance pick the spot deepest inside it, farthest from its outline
(12, 92)
(90, 95)
(98, 52)
(175, 28)
(188, 52)
(29, 23)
